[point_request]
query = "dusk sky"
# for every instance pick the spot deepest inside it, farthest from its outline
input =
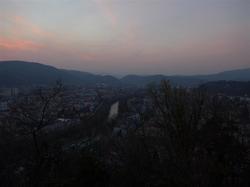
(128, 36)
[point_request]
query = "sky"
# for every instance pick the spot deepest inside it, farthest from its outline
(128, 36)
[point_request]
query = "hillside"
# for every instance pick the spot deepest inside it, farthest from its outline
(195, 80)
(230, 88)
(20, 73)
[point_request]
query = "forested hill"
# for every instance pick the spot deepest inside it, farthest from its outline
(20, 73)
(230, 88)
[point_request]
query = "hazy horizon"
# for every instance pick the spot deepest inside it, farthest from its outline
(123, 75)
(119, 37)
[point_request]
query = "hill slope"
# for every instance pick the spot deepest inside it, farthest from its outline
(231, 88)
(19, 73)
(235, 75)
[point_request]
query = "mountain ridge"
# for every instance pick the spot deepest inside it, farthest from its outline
(22, 73)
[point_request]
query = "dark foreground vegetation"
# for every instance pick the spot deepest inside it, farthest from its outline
(186, 138)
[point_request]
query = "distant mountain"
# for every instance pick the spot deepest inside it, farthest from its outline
(230, 88)
(234, 75)
(85, 78)
(195, 80)
(20, 73)
(142, 81)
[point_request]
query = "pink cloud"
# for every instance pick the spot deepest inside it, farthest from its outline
(18, 44)
(24, 23)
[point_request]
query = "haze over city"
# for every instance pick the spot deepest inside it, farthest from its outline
(128, 36)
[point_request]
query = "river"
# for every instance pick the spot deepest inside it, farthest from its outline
(114, 110)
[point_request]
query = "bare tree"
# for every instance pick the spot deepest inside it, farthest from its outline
(34, 112)
(198, 141)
